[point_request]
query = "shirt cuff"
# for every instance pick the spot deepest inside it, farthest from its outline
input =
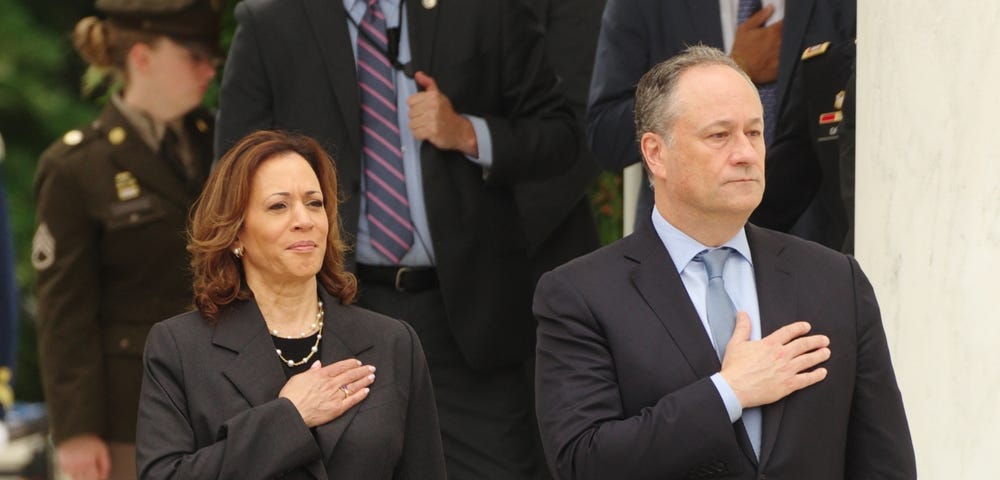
(483, 141)
(728, 397)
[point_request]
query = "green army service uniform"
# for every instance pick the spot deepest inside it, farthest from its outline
(804, 194)
(111, 260)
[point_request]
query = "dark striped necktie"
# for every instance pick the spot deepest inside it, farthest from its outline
(388, 209)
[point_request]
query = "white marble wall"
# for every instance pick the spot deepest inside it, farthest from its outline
(928, 218)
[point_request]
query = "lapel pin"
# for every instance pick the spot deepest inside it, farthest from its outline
(201, 125)
(815, 50)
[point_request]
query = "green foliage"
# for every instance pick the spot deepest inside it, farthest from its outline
(606, 200)
(39, 100)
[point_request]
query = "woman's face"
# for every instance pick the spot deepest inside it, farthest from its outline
(285, 227)
(178, 77)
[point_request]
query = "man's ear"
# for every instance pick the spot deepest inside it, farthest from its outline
(654, 150)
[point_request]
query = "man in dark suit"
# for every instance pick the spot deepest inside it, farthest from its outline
(637, 34)
(474, 114)
(702, 346)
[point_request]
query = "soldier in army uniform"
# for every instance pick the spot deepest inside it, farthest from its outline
(112, 206)
(805, 192)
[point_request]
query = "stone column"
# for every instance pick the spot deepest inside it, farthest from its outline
(928, 218)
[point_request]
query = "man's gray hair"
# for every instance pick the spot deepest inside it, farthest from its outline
(655, 105)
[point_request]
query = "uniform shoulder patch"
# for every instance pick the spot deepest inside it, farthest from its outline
(43, 248)
(815, 50)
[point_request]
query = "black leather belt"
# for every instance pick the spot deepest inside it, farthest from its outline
(403, 279)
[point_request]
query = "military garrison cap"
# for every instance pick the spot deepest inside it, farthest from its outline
(182, 20)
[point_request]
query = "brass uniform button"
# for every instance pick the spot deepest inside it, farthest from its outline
(116, 135)
(73, 137)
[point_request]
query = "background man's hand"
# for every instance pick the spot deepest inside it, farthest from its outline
(432, 118)
(767, 370)
(756, 48)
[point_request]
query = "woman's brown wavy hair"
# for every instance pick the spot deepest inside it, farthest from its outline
(218, 215)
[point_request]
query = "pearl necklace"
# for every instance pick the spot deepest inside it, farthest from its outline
(312, 328)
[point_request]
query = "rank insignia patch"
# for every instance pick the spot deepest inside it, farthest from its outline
(126, 185)
(43, 248)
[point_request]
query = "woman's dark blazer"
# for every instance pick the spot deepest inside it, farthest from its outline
(210, 409)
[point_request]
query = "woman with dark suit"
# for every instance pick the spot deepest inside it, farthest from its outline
(274, 374)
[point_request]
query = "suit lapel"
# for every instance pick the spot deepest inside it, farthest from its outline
(256, 372)
(660, 286)
(329, 25)
(258, 375)
(343, 338)
(797, 14)
(135, 156)
(704, 24)
(422, 26)
(776, 299)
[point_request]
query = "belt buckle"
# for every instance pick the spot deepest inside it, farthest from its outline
(399, 278)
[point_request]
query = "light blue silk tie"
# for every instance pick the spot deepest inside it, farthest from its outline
(719, 307)
(722, 320)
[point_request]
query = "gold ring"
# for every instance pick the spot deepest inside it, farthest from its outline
(347, 391)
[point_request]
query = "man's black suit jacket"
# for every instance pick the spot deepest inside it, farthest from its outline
(291, 67)
(623, 367)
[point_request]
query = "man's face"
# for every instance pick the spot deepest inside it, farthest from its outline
(711, 167)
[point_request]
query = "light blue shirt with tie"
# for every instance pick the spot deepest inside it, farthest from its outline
(742, 288)
(422, 252)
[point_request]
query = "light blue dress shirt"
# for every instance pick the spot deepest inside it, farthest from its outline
(740, 284)
(422, 252)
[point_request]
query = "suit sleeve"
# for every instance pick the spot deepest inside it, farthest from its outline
(423, 455)
(65, 255)
(260, 442)
(536, 135)
(879, 444)
(245, 102)
(585, 431)
(622, 58)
